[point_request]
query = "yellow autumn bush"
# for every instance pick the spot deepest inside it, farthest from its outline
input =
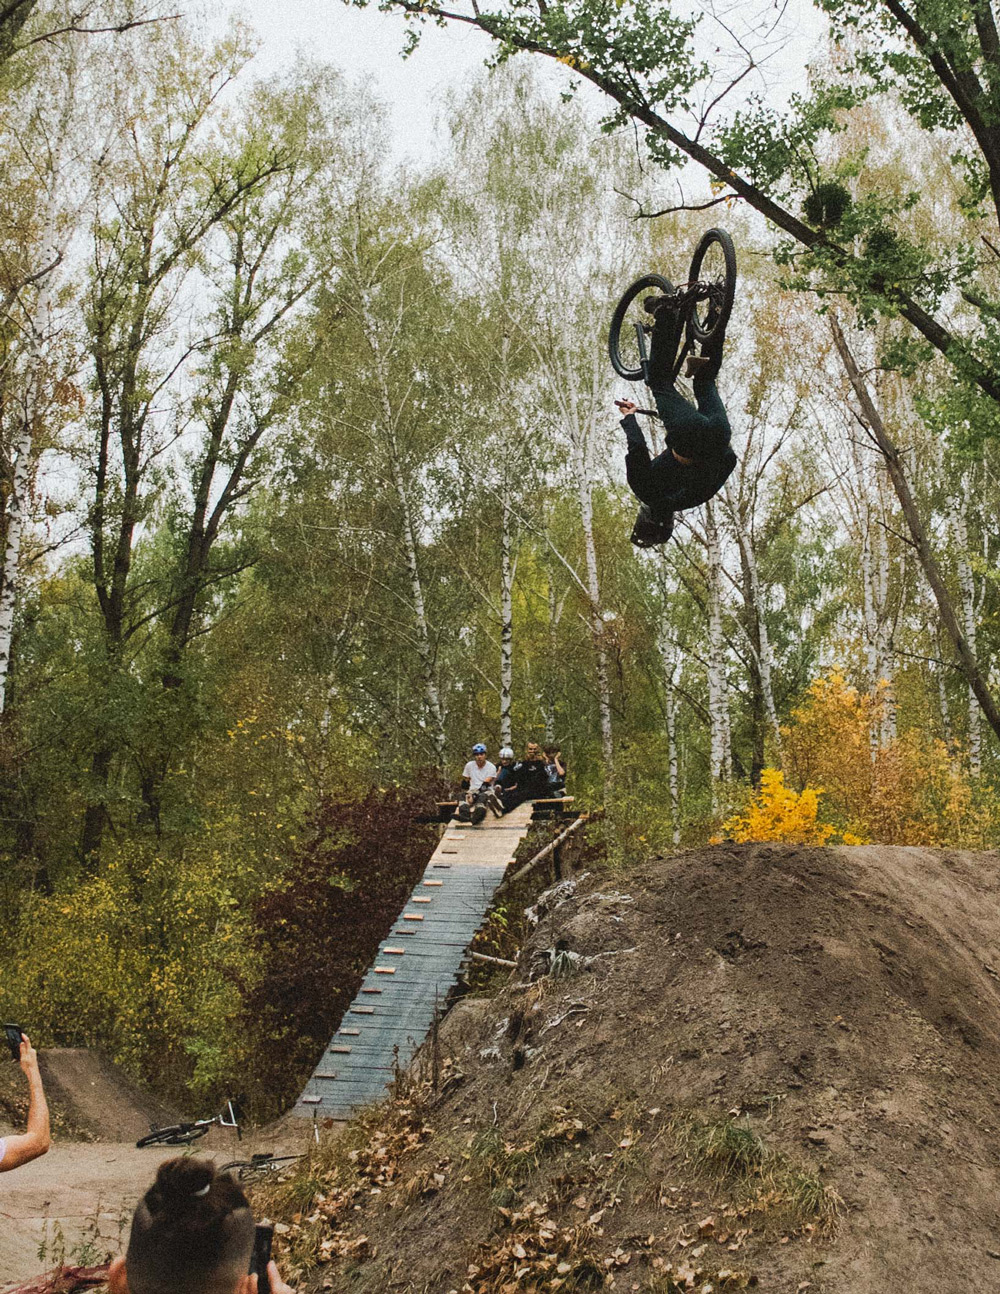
(776, 812)
(908, 791)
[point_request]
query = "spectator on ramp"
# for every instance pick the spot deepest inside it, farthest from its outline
(21, 1149)
(556, 770)
(529, 779)
(477, 778)
(192, 1233)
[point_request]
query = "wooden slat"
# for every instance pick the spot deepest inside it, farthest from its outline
(381, 970)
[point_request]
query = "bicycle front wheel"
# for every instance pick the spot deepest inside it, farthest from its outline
(623, 345)
(178, 1134)
(714, 266)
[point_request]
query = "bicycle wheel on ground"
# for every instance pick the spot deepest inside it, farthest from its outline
(714, 264)
(623, 345)
(179, 1134)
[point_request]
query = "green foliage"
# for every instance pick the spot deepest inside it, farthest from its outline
(827, 204)
(147, 959)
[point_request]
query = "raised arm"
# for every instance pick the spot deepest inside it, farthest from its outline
(21, 1149)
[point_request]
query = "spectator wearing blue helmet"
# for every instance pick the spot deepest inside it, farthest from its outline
(477, 778)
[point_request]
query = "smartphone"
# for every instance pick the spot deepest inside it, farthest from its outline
(262, 1237)
(13, 1032)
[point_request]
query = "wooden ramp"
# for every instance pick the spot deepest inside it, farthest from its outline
(416, 967)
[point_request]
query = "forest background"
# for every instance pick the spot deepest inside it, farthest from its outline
(310, 477)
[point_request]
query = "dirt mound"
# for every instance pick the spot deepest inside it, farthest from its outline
(766, 1065)
(94, 1095)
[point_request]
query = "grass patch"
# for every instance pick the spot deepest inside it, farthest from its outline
(764, 1179)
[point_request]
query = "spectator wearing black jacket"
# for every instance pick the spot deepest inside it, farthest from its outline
(529, 779)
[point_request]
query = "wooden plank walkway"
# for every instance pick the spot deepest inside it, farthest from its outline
(416, 967)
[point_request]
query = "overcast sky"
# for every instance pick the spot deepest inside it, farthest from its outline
(366, 44)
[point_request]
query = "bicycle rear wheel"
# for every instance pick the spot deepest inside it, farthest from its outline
(713, 264)
(623, 346)
(178, 1134)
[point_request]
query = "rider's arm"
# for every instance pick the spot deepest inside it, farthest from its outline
(35, 1142)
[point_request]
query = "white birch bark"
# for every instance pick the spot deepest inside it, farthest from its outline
(717, 700)
(425, 646)
(38, 328)
(579, 441)
(12, 551)
(506, 620)
(670, 657)
(765, 656)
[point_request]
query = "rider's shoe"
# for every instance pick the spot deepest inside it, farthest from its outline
(699, 364)
(654, 304)
(494, 802)
(464, 815)
(648, 530)
(478, 814)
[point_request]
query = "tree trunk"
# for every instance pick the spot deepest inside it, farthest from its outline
(96, 814)
(762, 662)
(12, 551)
(425, 645)
(38, 329)
(586, 502)
(872, 422)
(967, 590)
(669, 657)
(506, 620)
(717, 704)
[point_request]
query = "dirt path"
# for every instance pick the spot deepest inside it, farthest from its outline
(75, 1202)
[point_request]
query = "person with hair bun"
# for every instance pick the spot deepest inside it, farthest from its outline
(192, 1233)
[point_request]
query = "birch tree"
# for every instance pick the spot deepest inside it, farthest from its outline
(550, 232)
(164, 190)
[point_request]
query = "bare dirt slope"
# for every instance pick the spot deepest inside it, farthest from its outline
(787, 1075)
(95, 1095)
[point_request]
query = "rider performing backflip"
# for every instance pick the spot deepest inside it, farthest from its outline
(698, 457)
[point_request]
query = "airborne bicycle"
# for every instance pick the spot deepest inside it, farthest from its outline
(703, 304)
(182, 1134)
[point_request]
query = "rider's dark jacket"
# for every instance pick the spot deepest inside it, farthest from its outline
(667, 485)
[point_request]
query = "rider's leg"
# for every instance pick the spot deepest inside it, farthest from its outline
(717, 431)
(666, 338)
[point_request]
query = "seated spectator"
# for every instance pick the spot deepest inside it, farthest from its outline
(477, 778)
(192, 1233)
(18, 1150)
(556, 770)
(528, 779)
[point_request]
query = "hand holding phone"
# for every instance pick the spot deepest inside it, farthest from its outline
(13, 1034)
(263, 1237)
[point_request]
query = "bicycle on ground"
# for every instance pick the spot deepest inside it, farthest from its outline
(182, 1134)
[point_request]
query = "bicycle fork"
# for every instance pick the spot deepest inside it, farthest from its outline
(640, 337)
